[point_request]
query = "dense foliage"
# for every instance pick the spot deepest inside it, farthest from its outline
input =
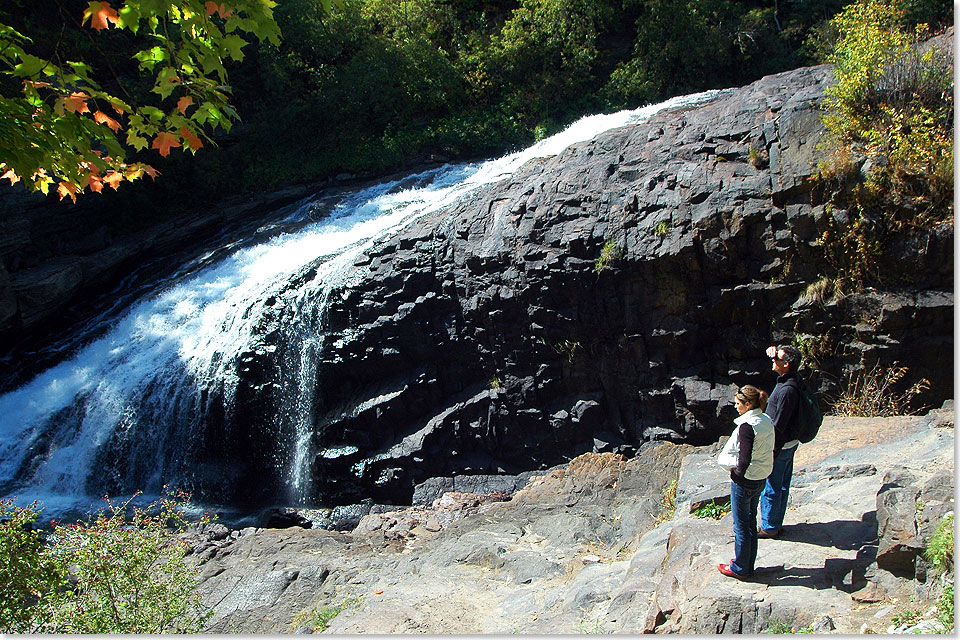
(60, 126)
(889, 143)
(362, 86)
(123, 571)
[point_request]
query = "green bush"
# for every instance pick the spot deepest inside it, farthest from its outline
(123, 571)
(28, 575)
(889, 115)
(939, 550)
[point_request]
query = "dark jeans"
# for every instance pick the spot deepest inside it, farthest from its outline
(743, 507)
(773, 502)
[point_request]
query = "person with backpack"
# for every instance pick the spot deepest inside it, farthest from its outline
(783, 409)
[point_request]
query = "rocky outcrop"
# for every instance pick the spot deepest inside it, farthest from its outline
(599, 300)
(612, 295)
(593, 547)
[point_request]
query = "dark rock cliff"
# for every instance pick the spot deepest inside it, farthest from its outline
(487, 338)
(610, 296)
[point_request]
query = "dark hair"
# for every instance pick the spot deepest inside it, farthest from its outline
(757, 398)
(790, 355)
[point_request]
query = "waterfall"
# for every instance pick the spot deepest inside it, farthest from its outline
(123, 411)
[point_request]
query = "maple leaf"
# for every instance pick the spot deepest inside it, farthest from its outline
(193, 142)
(103, 118)
(10, 175)
(164, 141)
(150, 171)
(221, 8)
(183, 104)
(113, 179)
(95, 183)
(100, 14)
(76, 102)
(66, 189)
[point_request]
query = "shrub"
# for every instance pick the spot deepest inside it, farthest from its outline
(889, 136)
(123, 571)
(939, 550)
(27, 574)
(945, 608)
(873, 392)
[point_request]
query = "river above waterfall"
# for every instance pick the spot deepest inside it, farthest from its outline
(153, 385)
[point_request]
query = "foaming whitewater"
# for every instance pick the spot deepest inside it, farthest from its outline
(122, 410)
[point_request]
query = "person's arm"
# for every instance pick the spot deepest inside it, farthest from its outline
(745, 454)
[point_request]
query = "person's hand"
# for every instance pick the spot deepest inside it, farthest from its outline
(771, 352)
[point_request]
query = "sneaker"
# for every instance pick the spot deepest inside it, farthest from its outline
(727, 571)
(763, 533)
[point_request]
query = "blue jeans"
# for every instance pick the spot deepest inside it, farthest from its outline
(743, 508)
(773, 502)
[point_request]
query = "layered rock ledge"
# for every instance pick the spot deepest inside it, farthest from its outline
(613, 295)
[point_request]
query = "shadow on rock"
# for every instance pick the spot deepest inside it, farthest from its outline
(844, 574)
(847, 535)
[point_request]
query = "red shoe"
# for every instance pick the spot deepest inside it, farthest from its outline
(727, 571)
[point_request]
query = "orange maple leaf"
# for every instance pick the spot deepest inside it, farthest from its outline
(113, 179)
(10, 175)
(183, 104)
(76, 102)
(192, 140)
(66, 189)
(100, 14)
(95, 183)
(150, 171)
(221, 8)
(103, 118)
(164, 141)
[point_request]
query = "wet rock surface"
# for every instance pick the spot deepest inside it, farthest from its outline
(587, 548)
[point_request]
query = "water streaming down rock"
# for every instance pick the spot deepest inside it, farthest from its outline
(154, 401)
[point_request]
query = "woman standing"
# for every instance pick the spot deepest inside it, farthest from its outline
(748, 455)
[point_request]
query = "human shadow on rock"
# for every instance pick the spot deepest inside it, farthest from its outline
(843, 574)
(840, 534)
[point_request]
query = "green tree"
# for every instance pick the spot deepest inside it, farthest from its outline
(61, 127)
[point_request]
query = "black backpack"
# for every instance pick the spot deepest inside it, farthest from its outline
(809, 415)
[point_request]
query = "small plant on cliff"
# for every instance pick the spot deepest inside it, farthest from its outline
(594, 628)
(568, 348)
(668, 502)
(123, 571)
(712, 509)
(320, 617)
(609, 255)
(874, 392)
(939, 551)
(661, 228)
(945, 607)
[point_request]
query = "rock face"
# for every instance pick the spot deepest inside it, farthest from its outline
(615, 294)
(596, 301)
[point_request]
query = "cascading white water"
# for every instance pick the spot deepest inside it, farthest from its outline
(145, 377)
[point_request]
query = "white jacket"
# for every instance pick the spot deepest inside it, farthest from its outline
(761, 459)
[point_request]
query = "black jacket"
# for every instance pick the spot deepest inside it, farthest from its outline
(783, 408)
